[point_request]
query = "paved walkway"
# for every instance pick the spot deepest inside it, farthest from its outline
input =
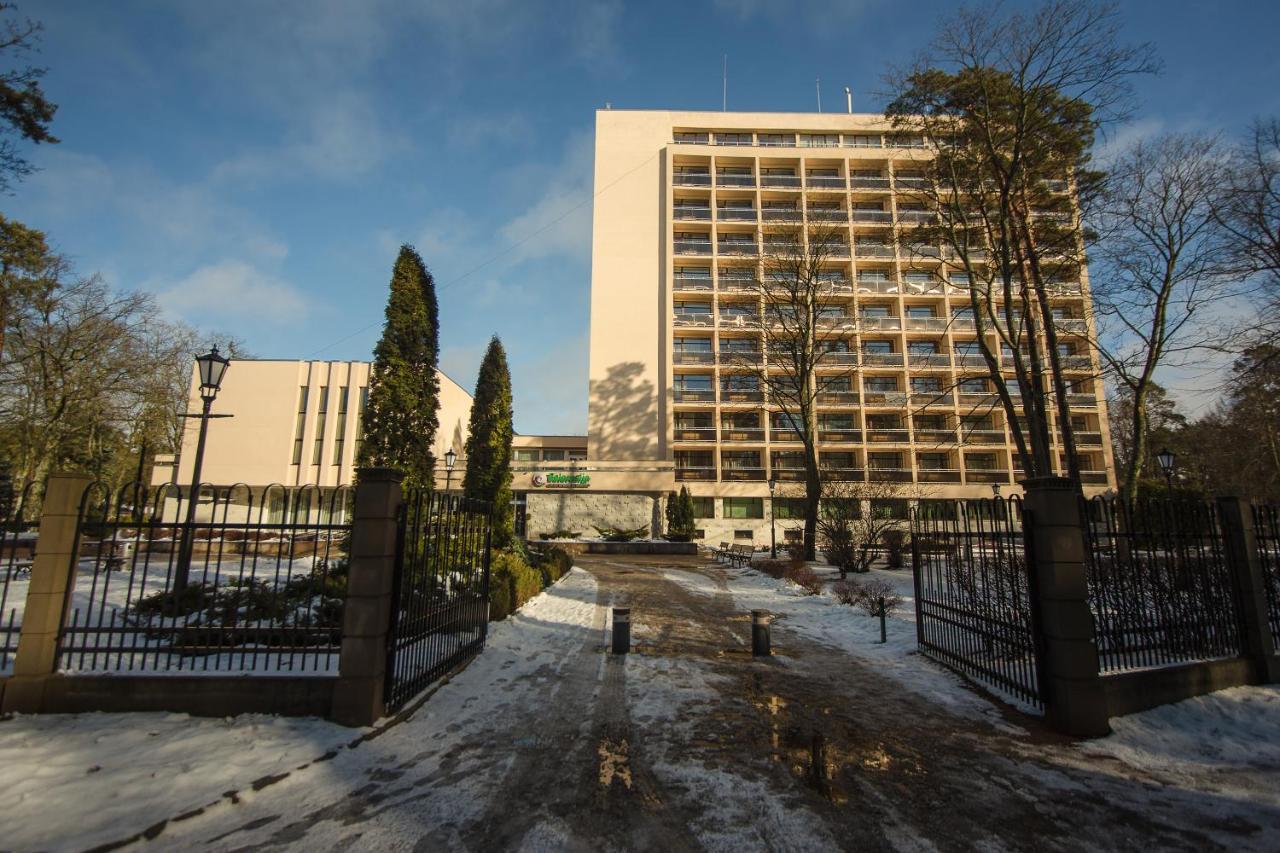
(689, 744)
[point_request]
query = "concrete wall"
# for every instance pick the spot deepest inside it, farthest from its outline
(579, 511)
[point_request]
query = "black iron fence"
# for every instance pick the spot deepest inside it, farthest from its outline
(1266, 526)
(1160, 589)
(256, 584)
(19, 521)
(440, 596)
(973, 604)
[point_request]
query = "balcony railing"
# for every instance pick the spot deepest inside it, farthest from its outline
(736, 180)
(735, 434)
(1094, 478)
(938, 475)
(883, 324)
(931, 398)
(735, 473)
(692, 180)
(1086, 401)
(833, 321)
(694, 357)
(780, 181)
(777, 215)
(889, 475)
(878, 217)
(927, 324)
(969, 360)
(728, 247)
(935, 436)
(836, 285)
(982, 436)
(696, 214)
(881, 359)
(910, 183)
(837, 359)
(737, 285)
(1070, 324)
(844, 474)
(869, 183)
(739, 321)
(827, 215)
(692, 247)
(877, 285)
(882, 435)
(873, 250)
(788, 475)
(884, 398)
(978, 398)
(784, 434)
(740, 358)
(837, 398)
(1076, 362)
(736, 214)
(839, 436)
(693, 319)
(727, 396)
(825, 182)
(686, 473)
(986, 475)
(694, 395)
(925, 359)
(917, 216)
(1089, 439)
(695, 433)
(688, 283)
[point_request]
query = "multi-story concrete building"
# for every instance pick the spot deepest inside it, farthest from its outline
(685, 203)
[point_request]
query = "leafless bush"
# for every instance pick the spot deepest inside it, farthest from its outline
(805, 578)
(867, 595)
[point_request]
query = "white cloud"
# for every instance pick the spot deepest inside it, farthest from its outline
(559, 221)
(234, 294)
(550, 388)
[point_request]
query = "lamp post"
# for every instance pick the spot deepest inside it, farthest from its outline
(1166, 459)
(212, 366)
(450, 457)
(773, 529)
(995, 489)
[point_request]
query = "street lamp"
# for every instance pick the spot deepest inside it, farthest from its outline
(211, 367)
(450, 457)
(773, 529)
(995, 489)
(1166, 459)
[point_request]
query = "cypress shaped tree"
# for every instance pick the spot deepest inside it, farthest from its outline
(488, 474)
(400, 419)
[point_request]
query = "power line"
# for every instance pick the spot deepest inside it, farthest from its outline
(503, 252)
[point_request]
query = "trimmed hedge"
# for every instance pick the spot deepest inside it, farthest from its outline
(513, 581)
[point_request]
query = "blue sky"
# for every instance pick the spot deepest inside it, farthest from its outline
(256, 165)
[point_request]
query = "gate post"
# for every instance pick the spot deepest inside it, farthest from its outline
(46, 604)
(1070, 683)
(1245, 567)
(358, 697)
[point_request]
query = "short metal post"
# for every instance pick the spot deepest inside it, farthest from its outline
(883, 638)
(621, 630)
(760, 633)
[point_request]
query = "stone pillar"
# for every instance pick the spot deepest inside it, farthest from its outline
(1075, 702)
(358, 698)
(1250, 587)
(47, 594)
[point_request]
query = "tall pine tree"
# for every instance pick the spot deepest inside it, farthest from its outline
(488, 475)
(400, 419)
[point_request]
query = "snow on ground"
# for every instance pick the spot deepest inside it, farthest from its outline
(94, 778)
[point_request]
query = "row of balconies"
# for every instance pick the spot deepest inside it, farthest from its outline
(863, 284)
(850, 323)
(787, 435)
(981, 476)
(796, 139)
(940, 360)
(879, 399)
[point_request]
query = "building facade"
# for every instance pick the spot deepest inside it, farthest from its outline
(683, 210)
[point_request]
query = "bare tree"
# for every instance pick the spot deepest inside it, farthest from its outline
(1250, 212)
(802, 300)
(1006, 108)
(1157, 264)
(856, 515)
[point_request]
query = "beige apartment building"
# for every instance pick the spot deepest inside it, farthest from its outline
(684, 205)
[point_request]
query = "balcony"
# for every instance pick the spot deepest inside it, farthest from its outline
(1076, 362)
(970, 360)
(692, 247)
(707, 433)
(736, 181)
(735, 434)
(935, 436)
(791, 182)
(838, 359)
(858, 183)
(727, 396)
(881, 359)
(883, 435)
(839, 436)
(784, 434)
(739, 248)
(833, 321)
(889, 475)
(961, 321)
(873, 250)
(788, 475)
(691, 214)
(1070, 324)
(926, 359)
(872, 217)
(776, 214)
(1064, 288)
(695, 395)
(736, 214)
(877, 285)
(837, 398)
(982, 436)
(740, 358)
(882, 324)
(693, 319)
(692, 179)
(1089, 439)
(737, 285)
(927, 324)
(827, 215)
(1082, 401)
(685, 473)
(738, 474)
(1055, 186)
(884, 398)
(985, 475)
(692, 357)
(739, 321)
(694, 283)
(938, 475)
(844, 474)
(917, 217)
(1093, 478)
(910, 183)
(825, 182)
(836, 285)
(984, 398)
(931, 398)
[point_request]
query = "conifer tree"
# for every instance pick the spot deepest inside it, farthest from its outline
(488, 474)
(681, 524)
(400, 419)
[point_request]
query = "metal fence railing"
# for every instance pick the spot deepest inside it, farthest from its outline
(1266, 526)
(19, 521)
(1160, 589)
(257, 584)
(440, 592)
(973, 602)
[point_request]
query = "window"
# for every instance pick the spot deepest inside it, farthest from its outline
(690, 138)
(922, 347)
(889, 508)
(875, 311)
(302, 425)
(733, 139)
(321, 416)
(883, 422)
(839, 423)
(926, 385)
(692, 345)
(932, 461)
(967, 348)
(364, 403)
(973, 385)
(739, 382)
(931, 422)
(882, 347)
(848, 508)
(788, 508)
(778, 140)
(693, 382)
(745, 535)
(553, 456)
(921, 311)
(880, 384)
(863, 141)
(693, 273)
(741, 460)
(522, 454)
(789, 460)
(577, 455)
(884, 461)
(340, 437)
(692, 307)
(842, 461)
(980, 461)
(704, 507)
(743, 508)
(962, 314)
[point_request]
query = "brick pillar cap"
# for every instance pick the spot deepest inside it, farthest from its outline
(375, 475)
(1049, 484)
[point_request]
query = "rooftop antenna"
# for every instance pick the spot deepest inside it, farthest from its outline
(818, 85)
(724, 95)
(848, 100)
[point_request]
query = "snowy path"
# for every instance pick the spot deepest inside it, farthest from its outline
(547, 743)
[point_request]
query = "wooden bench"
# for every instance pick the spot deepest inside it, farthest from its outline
(740, 555)
(722, 551)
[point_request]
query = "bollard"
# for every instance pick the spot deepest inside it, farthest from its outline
(621, 630)
(883, 638)
(760, 634)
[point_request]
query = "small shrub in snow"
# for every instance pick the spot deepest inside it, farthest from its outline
(623, 534)
(846, 592)
(512, 582)
(867, 594)
(776, 569)
(560, 534)
(893, 541)
(803, 576)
